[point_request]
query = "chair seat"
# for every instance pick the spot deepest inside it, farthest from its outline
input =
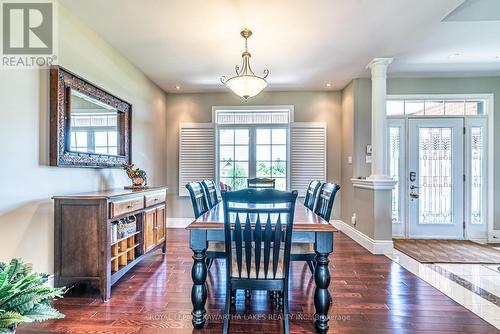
(302, 248)
(216, 246)
(253, 272)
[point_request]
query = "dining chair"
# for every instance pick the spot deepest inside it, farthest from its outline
(200, 204)
(211, 192)
(324, 202)
(258, 233)
(261, 183)
(311, 193)
(304, 251)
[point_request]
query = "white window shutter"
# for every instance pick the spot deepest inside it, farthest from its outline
(196, 154)
(307, 154)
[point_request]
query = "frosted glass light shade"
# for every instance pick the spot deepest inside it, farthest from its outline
(246, 86)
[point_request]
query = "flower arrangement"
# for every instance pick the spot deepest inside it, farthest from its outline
(24, 296)
(138, 176)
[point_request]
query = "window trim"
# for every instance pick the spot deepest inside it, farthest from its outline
(252, 128)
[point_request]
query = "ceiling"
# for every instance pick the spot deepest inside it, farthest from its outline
(305, 44)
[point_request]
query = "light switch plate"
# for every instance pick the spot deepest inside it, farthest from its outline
(368, 149)
(349, 160)
(368, 159)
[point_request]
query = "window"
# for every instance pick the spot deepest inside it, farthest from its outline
(253, 143)
(234, 157)
(422, 107)
(272, 155)
(93, 126)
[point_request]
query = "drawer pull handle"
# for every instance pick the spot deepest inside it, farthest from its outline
(130, 206)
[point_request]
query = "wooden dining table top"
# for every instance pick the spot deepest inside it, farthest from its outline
(305, 220)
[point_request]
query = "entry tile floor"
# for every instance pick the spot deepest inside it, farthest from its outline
(474, 286)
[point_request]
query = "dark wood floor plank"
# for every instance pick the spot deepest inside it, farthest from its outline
(371, 294)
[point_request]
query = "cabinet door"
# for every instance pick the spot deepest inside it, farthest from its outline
(160, 224)
(149, 229)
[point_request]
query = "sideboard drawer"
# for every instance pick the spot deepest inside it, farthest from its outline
(155, 198)
(120, 208)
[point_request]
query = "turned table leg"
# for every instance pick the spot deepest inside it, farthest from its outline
(322, 298)
(198, 243)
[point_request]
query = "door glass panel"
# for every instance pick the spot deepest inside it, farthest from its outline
(394, 136)
(476, 182)
(435, 179)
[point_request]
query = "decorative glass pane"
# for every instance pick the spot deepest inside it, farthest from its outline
(279, 136)
(279, 153)
(435, 169)
(263, 152)
(112, 150)
(226, 137)
(434, 108)
(226, 169)
(279, 169)
(476, 182)
(263, 169)
(112, 138)
(395, 142)
(280, 183)
(454, 108)
(241, 153)
(241, 137)
(240, 169)
(395, 108)
(474, 108)
(239, 183)
(414, 107)
(100, 139)
(263, 136)
(226, 153)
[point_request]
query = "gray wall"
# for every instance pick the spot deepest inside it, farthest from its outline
(309, 107)
(26, 208)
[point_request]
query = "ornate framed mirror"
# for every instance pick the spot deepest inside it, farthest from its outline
(89, 127)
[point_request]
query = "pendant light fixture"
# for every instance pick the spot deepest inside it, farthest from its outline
(245, 83)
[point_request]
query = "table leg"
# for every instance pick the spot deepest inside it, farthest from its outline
(199, 290)
(198, 243)
(322, 298)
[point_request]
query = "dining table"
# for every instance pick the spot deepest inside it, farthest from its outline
(308, 227)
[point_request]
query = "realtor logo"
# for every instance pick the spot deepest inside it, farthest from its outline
(27, 33)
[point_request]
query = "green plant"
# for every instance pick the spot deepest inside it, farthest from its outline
(24, 297)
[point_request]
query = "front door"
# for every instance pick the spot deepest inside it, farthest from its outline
(435, 181)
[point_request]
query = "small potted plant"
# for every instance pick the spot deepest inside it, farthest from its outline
(24, 296)
(138, 177)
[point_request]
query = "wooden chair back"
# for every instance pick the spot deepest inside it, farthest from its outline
(198, 198)
(311, 193)
(211, 192)
(258, 233)
(324, 203)
(261, 183)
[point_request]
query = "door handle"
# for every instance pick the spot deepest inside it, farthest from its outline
(414, 187)
(413, 195)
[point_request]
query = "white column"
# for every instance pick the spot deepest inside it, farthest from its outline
(378, 67)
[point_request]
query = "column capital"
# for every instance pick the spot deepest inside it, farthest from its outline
(378, 66)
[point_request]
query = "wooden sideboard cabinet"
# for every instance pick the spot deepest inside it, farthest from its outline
(84, 251)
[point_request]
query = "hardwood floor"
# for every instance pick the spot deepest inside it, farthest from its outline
(371, 294)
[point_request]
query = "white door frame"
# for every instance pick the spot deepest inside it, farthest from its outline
(455, 229)
(489, 98)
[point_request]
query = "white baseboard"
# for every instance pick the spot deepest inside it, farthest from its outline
(178, 222)
(373, 246)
